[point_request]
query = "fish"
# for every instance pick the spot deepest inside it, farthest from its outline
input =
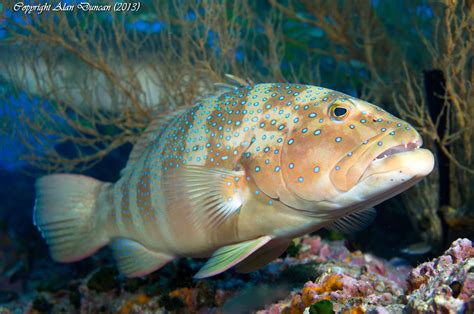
(418, 248)
(234, 178)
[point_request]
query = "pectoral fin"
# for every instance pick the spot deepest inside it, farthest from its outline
(212, 195)
(230, 255)
(263, 256)
(354, 222)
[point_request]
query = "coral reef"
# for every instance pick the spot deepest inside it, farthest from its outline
(446, 284)
(352, 281)
(318, 276)
(360, 283)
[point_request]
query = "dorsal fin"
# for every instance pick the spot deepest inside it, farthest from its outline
(158, 123)
(220, 88)
(235, 82)
(153, 130)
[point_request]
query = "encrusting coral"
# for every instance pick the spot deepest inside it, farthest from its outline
(359, 283)
(445, 284)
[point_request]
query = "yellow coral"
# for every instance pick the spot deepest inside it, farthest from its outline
(185, 294)
(357, 310)
(139, 299)
(296, 307)
(331, 283)
(354, 310)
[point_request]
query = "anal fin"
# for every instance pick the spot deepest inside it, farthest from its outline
(135, 260)
(230, 255)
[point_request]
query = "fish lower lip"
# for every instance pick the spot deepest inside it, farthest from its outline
(399, 149)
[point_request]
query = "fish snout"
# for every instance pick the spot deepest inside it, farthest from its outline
(351, 168)
(400, 150)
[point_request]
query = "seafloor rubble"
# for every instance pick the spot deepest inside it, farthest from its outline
(315, 276)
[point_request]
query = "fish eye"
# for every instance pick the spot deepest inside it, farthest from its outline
(339, 112)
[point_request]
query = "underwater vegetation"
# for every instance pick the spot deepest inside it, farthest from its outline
(78, 89)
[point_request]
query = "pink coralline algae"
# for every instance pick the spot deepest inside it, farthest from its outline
(354, 282)
(445, 284)
(360, 283)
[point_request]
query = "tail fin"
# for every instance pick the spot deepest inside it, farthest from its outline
(65, 214)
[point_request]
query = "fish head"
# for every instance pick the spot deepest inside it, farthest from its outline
(347, 153)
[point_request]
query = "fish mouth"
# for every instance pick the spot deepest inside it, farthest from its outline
(407, 159)
(381, 150)
(400, 148)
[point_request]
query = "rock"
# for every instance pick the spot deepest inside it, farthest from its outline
(75, 297)
(41, 305)
(8, 296)
(206, 295)
(293, 249)
(103, 280)
(132, 284)
(299, 274)
(171, 303)
(4, 310)
(321, 307)
(445, 284)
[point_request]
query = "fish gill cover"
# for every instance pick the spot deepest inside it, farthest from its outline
(78, 88)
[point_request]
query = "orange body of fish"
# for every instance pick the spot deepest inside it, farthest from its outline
(236, 177)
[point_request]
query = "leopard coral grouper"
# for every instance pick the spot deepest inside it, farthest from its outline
(236, 177)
